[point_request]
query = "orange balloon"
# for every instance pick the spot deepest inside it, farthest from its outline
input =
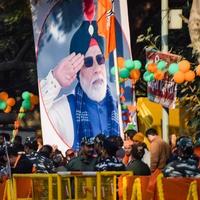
(159, 75)
(8, 109)
(132, 108)
(190, 75)
(152, 67)
(184, 66)
(34, 100)
(179, 77)
(10, 102)
(120, 62)
(198, 70)
(4, 96)
(135, 74)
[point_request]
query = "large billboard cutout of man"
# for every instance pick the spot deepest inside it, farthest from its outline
(89, 108)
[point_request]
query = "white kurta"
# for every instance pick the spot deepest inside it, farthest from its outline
(56, 116)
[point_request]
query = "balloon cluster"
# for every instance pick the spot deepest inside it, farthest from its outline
(6, 102)
(28, 103)
(155, 71)
(180, 71)
(127, 69)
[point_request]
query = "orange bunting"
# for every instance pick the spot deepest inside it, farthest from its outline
(159, 75)
(184, 66)
(120, 62)
(198, 70)
(179, 77)
(132, 108)
(152, 67)
(10, 102)
(8, 109)
(135, 74)
(190, 75)
(4, 96)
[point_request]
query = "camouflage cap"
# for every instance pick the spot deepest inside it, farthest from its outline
(87, 141)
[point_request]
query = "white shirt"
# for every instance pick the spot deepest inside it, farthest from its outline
(56, 116)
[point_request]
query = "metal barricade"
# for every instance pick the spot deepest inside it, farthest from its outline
(35, 186)
(66, 186)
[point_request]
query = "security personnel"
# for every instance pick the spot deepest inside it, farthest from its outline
(85, 161)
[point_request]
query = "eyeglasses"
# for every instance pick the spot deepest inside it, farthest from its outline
(88, 61)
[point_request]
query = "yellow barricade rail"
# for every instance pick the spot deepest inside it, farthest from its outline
(64, 186)
(98, 186)
(91, 185)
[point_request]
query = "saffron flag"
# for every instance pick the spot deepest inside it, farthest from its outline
(106, 24)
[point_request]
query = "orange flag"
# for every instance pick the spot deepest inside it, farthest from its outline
(106, 24)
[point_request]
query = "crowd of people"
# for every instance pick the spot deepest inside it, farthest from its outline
(142, 154)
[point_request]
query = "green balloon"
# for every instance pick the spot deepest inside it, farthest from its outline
(2, 105)
(161, 65)
(112, 71)
(26, 95)
(26, 104)
(21, 115)
(137, 64)
(129, 64)
(124, 73)
(124, 107)
(148, 77)
(173, 68)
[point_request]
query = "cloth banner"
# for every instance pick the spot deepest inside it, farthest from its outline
(76, 101)
(164, 91)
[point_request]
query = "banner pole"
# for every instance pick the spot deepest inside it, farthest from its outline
(164, 44)
(118, 86)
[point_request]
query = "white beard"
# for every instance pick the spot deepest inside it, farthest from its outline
(96, 89)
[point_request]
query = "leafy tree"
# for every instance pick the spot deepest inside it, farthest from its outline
(144, 19)
(17, 55)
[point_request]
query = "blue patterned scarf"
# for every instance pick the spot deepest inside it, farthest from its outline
(83, 125)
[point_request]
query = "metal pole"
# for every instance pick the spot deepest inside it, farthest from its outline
(164, 43)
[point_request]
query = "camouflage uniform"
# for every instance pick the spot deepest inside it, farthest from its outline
(186, 164)
(110, 164)
(182, 168)
(42, 164)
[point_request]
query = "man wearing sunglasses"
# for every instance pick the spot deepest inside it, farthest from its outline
(91, 109)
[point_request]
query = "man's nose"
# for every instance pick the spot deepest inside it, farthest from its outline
(97, 68)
